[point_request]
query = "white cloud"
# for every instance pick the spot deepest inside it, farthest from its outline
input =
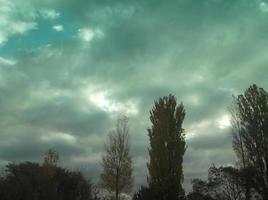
(264, 7)
(194, 129)
(20, 27)
(50, 14)
(102, 99)
(58, 27)
(15, 19)
(7, 61)
(86, 34)
(3, 37)
(60, 136)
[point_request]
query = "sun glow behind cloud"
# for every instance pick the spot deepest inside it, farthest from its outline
(224, 121)
(102, 99)
(86, 34)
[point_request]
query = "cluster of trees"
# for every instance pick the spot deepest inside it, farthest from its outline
(249, 178)
(32, 181)
(246, 180)
(167, 147)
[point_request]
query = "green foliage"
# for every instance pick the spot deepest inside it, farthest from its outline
(167, 147)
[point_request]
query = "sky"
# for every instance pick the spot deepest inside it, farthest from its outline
(68, 69)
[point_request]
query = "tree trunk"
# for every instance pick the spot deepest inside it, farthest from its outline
(117, 185)
(247, 193)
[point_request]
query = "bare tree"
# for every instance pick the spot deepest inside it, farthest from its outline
(116, 162)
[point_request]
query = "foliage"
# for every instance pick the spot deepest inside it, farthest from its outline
(224, 183)
(27, 180)
(167, 147)
(117, 163)
(250, 122)
(144, 193)
(50, 162)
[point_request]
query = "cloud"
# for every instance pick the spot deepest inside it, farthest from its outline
(66, 96)
(22, 27)
(6, 61)
(15, 20)
(86, 34)
(101, 100)
(50, 14)
(58, 28)
(264, 7)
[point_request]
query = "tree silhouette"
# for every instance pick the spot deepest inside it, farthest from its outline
(27, 181)
(167, 147)
(144, 193)
(250, 140)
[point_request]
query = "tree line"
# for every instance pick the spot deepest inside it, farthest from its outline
(247, 179)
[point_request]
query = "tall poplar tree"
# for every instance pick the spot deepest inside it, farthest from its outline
(167, 147)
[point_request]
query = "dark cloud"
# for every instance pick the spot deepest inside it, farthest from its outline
(201, 51)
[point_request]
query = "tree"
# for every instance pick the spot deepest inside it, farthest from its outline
(224, 183)
(50, 162)
(26, 181)
(239, 147)
(167, 147)
(116, 162)
(144, 193)
(250, 122)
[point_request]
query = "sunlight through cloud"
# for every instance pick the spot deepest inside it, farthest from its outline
(86, 34)
(224, 122)
(103, 101)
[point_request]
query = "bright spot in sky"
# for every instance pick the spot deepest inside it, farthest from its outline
(194, 129)
(60, 136)
(224, 121)
(58, 28)
(264, 7)
(101, 100)
(86, 34)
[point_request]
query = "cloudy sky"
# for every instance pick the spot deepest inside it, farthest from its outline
(69, 68)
